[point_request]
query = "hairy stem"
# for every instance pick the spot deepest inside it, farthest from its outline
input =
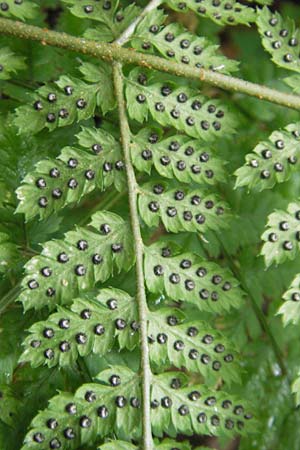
(113, 52)
(125, 36)
(138, 245)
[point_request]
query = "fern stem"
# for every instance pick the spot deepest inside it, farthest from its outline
(257, 311)
(113, 52)
(138, 245)
(125, 36)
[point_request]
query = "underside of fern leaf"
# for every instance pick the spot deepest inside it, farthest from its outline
(132, 257)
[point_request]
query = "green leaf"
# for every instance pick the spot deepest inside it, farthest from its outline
(280, 38)
(282, 235)
(181, 108)
(8, 253)
(77, 171)
(169, 444)
(117, 445)
(25, 9)
(296, 389)
(92, 325)
(8, 405)
(10, 63)
(113, 28)
(113, 19)
(191, 344)
(195, 409)
(102, 10)
(175, 43)
(192, 161)
(218, 11)
(86, 256)
(294, 83)
(181, 209)
(187, 277)
(93, 412)
(68, 100)
(100, 74)
(273, 161)
(290, 310)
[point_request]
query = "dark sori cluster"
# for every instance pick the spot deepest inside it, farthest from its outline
(193, 200)
(165, 160)
(63, 113)
(284, 36)
(179, 98)
(79, 269)
(267, 154)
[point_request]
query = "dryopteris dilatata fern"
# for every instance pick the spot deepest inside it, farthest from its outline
(160, 127)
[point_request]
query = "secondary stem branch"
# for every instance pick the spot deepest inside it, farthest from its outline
(138, 244)
(257, 311)
(113, 52)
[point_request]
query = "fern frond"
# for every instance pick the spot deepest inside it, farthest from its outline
(191, 344)
(175, 43)
(180, 107)
(282, 235)
(24, 9)
(8, 405)
(294, 82)
(10, 63)
(8, 253)
(222, 12)
(112, 18)
(68, 100)
(273, 161)
(92, 325)
(117, 445)
(176, 156)
(86, 256)
(194, 408)
(280, 38)
(181, 209)
(187, 277)
(290, 310)
(100, 74)
(97, 163)
(96, 410)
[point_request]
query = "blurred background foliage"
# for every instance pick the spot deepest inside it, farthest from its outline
(263, 382)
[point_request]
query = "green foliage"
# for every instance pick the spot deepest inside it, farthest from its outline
(181, 210)
(86, 256)
(9, 63)
(221, 12)
(191, 162)
(174, 42)
(131, 266)
(280, 38)
(178, 107)
(188, 278)
(8, 253)
(25, 9)
(272, 161)
(69, 100)
(77, 171)
(282, 235)
(114, 404)
(92, 324)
